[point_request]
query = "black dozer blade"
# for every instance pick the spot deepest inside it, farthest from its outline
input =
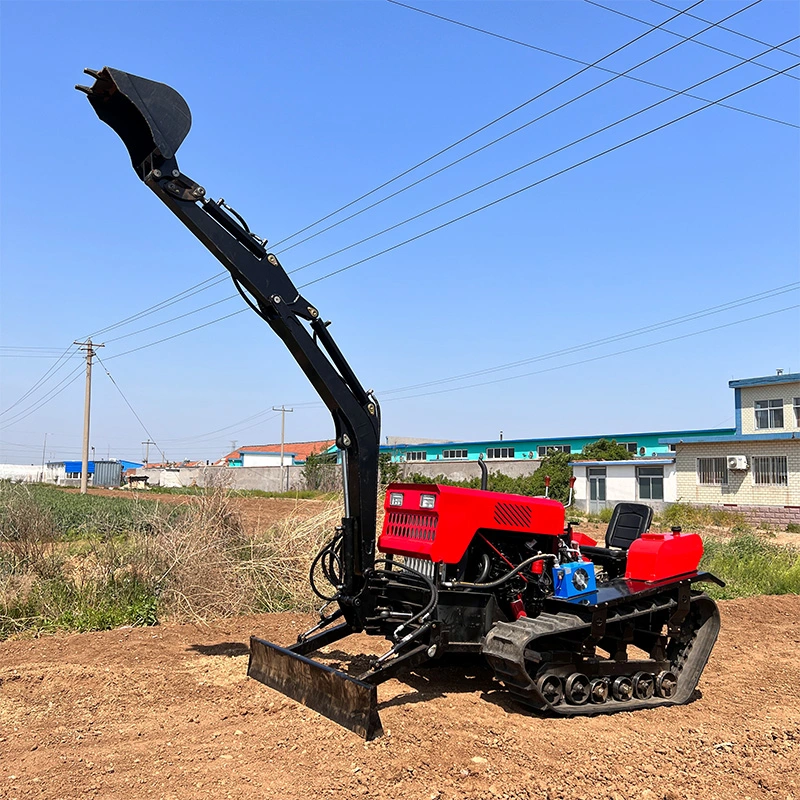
(151, 118)
(346, 700)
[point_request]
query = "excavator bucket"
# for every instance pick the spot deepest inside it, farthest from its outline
(151, 118)
(346, 700)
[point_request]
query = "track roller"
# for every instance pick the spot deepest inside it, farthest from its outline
(622, 688)
(643, 685)
(666, 683)
(598, 690)
(551, 688)
(576, 689)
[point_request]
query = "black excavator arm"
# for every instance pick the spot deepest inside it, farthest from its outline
(152, 120)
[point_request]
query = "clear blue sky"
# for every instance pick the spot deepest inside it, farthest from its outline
(299, 108)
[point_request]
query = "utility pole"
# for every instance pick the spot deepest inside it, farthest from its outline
(283, 411)
(89, 348)
(147, 450)
(44, 448)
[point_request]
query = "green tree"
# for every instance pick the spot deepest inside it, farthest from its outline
(605, 450)
(321, 472)
(388, 470)
(556, 465)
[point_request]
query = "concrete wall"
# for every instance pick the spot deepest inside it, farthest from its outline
(267, 479)
(466, 470)
(27, 473)
(778, 391)
(741, 489)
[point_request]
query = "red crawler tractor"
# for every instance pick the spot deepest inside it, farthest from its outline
(568, 627)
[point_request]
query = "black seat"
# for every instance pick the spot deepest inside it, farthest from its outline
(628, 522)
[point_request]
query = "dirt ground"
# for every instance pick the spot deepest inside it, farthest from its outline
(168, 712)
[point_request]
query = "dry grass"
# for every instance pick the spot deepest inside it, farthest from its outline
(198, 565)
(209, 567)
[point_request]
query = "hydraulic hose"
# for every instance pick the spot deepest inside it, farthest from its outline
(330, 561)
(434, 592)
(500, 581)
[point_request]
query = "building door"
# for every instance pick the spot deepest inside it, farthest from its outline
(597, 489)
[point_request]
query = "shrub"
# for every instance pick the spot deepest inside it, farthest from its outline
(751, 566)
(322, 473)
(690, 516)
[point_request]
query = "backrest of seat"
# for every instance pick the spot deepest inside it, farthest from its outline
(628, 522)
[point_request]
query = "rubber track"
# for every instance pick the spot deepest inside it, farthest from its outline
(505, 646)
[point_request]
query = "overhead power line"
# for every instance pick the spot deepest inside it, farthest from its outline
(674, 33)
(597, 358)
(616, 76)
(56, 367)
(221, 276)
(557, 174)
(133, 411)
(656, 326)
(728, 30)
(550, 52)
(536, 97)
(176, 298)
(42, 401)
(483, 207)
(579, 140)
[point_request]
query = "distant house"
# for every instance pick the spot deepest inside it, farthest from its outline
(756, 469)
(603, 484)
(269, 455)
(100, 473)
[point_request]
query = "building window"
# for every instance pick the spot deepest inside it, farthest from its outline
(454, 454)
(772, 470)
(769, 414)
(651, 483)
(544, 449)
(417, 455)
(673, 448)
(631, 447)
(499, 452)
(597, 484)
(75, 475)
(712, 471)
(797, 412)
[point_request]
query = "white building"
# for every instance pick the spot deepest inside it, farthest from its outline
(755, 471)
(603, 484)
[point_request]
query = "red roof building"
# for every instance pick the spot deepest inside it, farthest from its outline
(269, 454)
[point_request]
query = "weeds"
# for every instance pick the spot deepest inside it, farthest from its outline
(603, 516)
(689, 517)
(196, 565)
(73, 516)
(751, 566)
(141, 563)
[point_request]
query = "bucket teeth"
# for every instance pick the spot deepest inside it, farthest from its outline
(84, 89)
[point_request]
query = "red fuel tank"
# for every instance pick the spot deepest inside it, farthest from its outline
(656, 556)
